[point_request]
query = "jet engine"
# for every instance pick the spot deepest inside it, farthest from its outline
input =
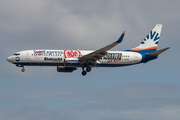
(65, 69)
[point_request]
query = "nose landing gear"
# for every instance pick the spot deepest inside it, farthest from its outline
(19, 65)
(23, 69)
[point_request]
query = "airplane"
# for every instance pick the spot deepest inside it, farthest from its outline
(70, 60)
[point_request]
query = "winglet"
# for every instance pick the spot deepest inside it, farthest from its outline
(121, 37)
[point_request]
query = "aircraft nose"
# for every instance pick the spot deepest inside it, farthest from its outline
(9, 59)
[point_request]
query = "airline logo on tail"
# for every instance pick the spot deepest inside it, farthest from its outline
(151, 37)
(151, 40)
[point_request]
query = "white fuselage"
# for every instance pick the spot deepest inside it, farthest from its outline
(58, 57)
(69, 60)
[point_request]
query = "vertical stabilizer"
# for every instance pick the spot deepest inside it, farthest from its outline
(151, 41)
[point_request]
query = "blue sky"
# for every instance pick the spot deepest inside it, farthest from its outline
(145, 91)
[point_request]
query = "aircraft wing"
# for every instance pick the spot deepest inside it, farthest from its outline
(98, 54)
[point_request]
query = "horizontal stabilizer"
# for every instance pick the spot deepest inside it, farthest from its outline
(157, 52)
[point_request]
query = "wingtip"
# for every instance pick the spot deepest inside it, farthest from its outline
(121, 37)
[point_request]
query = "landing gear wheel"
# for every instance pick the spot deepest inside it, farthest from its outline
(88, 69)
(84, 73)
(23, 70)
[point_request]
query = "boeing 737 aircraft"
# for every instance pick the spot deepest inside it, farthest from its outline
(69, 60)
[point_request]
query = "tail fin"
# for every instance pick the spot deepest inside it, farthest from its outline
(150, 42)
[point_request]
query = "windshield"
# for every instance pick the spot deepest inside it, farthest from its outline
(16, 54)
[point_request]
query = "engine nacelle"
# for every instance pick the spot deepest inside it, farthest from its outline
(65, 69)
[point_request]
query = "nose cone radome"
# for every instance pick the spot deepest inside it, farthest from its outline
(9, 59)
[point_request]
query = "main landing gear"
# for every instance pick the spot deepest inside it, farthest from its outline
(88, 69)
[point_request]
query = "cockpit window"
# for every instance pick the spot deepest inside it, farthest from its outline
(16, 54)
